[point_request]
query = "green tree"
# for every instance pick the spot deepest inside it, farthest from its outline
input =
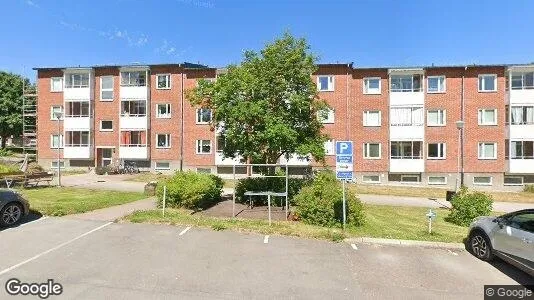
(10, 105)
(267, 106)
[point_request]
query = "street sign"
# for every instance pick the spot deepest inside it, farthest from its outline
(344, 160)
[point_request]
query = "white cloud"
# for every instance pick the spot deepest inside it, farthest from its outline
(32, 3)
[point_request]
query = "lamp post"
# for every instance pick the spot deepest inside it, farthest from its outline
(460, 126)
(58, 116)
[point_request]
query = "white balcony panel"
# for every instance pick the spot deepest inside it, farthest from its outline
(407, 165)
(406, 98)
(81, 94)
(521, 97)
(77, 123)
(134, 92)
(220, 161)
(399, 133)
(294, 160)
(521, 132)
(133, 152)
(521, 166)
(78, 152)
(133, 122)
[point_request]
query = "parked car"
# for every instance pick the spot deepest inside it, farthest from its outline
(509, 237)
(13, 207)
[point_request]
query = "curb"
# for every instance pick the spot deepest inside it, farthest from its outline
(407, 243)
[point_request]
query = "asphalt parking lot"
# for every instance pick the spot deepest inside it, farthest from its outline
(101, 260)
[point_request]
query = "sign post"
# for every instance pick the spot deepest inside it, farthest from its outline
(431, 216)
(344, 169)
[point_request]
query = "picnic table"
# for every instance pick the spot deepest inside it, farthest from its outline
(27, 179)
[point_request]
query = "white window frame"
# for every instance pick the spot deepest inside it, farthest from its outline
(483, 90)
(481, 119)
(443, 113)
(523, 86)
(208, 170)
(198, 146)
(436, 183)
(168, 80)
(442, 150)
(370, 181)
(52, 84)
(331, 83)
(81, 85)
(514, 184)
(61, 164)
(494, 150)
(330, 116)
(162, 168)
(107, 90)
(486, 184)
(407, 175)
(163, 116)
(332, 144)
(365, 118)
(366, 147)
(168, 139)
(444, 86)
(367, 91)
(61, 141)
(200, 122)
(102, 129)
(52, 116)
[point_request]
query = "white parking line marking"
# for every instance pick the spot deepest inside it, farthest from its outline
(185, 230)
(31, 222)
(354, 246)
(453, 253)
(52, 249)
(266, 239)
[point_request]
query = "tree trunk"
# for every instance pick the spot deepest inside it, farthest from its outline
(4, 138)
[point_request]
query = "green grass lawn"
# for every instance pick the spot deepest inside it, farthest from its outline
(392, 222)
(54, 201)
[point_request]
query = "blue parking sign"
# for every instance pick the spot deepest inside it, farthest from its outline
(344, 148)
(344, 160)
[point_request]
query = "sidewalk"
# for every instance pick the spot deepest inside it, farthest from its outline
(115, 212)
(104, 182)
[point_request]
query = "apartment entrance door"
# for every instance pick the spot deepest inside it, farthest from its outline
(107, 156)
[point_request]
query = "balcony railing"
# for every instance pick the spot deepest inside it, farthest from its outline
(406, 90)
(133, 115)
(406, 157)
(77, 145)
(133, 145)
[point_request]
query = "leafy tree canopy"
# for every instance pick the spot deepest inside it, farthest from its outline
(10, 104)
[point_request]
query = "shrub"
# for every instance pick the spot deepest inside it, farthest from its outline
(34, 167)
(219, 182)
(5, 152)
(263, 184)
(102, 170)
(8, 169)
(321, 203)
(190, 190)
(466, 206)
(529, 188)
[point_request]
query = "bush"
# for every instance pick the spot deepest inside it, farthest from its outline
(34, 167)
(5, 152)
(321, 203)
(190, 190)
(102, 170)
(219, 182)
(8, 169)
(466, 206)
(529, 188)
(263, 184)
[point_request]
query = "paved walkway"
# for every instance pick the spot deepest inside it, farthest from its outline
(105, 182)
(116, 212)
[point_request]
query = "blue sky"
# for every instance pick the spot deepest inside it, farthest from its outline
(215, 32)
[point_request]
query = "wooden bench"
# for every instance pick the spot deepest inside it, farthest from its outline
(28, 179)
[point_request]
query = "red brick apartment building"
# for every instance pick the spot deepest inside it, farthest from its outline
(405, 122)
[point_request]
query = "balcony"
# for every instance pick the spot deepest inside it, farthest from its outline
(523, 131)
(134, 83)
(133, 151)
(220, 161)
(406, 88)
(133, 122)
(521, 166)
(133, 115)
(77, 122)
(78, 85)
(77, 116)
(406, 157)
(407, 165)
(407, 132)
(72, 151)
(134, 92)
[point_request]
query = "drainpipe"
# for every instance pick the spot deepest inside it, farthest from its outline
(182, 123)
(462, 137)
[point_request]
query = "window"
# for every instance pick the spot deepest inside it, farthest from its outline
(325, 83)
(56, 109)
(164, 81)
(436, 84)
(406, 83)
(371, 118)
(55, 139)
(221, 142)
(204, 170)
(106, 125)
(133, 108)
(163, 111)
(523, 221)
(513, 180)
(371, 151)
(410, 178)
(53, 164)
(329, 147)
(77, 109)
(76, 138)
(162, 165)
(56, 84)
(522, 115)
(522, 81)
(106, 88)
(436, 117)
(437, 180)
(203, 115)
(137, 78)
(487, 117)
(436, 151)
(203, 146)
(163, 140)
(487, 151)
(77, 80)
(371, 178)
(487, 83)
(407, 116)
(372, 85)
(482, 180)
(326, 116)
(134, 138)
(406, 150)
(522, 150)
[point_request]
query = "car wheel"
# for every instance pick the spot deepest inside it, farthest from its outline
(10, 214)
(480, 246)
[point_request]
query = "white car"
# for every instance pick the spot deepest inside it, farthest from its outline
(509, 237)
